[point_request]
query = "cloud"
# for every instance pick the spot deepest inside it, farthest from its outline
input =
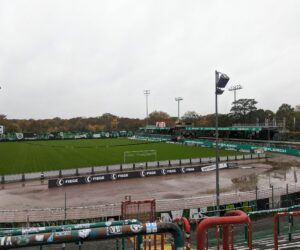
(77, 58)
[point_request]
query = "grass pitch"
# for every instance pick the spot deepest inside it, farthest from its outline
(36, 156)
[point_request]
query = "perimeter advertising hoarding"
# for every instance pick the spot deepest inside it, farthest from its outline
(60, 182)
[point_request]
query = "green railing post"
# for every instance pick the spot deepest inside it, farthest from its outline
(246, 232)
(256, 196)
(272, 196)
(278, 226)
(139, 242)
(290, 228)
(79, 245)
(117, 244)
(123, 244)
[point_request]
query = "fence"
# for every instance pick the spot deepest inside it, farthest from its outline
(274, 194)
(121, 167)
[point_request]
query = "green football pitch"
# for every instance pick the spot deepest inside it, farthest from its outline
(36, 156)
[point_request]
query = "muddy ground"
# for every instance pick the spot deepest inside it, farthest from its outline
(277, 170)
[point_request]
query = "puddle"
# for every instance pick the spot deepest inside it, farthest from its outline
(275, 177)
(247, 167)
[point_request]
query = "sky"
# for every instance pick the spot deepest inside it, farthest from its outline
(83, 58)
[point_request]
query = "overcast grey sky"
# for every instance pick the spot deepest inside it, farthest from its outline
(70, 58)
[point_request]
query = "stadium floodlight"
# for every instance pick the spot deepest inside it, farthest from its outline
(178, 99)
(221, 81)
(235, 88)
(147, 93)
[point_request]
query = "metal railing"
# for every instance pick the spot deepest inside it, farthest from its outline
(110, 210)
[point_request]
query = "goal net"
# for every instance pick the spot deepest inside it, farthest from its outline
(140, 156)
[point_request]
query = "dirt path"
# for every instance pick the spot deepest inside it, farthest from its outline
(36, 195)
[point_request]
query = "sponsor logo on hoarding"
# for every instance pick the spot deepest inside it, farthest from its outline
(60, 182)
(149, 173)
(213, 167)
(71, 181)
(19, 136)
(122, 175)
(1, 129)
(98, 178)
(171, 171)
(88, 179)
(190, 169)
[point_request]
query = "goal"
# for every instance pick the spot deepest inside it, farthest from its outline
(140, 156)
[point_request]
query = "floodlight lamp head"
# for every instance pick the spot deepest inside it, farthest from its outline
(219, 91)
(222, 81)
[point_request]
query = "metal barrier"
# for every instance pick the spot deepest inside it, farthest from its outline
(112, 168)
(99, 233)
(276, 225)
(231, 217)
(109, 210)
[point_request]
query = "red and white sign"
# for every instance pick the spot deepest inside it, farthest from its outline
(160, 124)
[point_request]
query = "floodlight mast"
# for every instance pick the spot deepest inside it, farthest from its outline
(147, 93)
(178, 99)
(235, 88)
(221, 81)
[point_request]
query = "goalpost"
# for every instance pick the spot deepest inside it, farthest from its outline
(140, 154)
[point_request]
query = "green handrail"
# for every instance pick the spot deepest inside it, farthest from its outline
(38, 230)
(90, 234)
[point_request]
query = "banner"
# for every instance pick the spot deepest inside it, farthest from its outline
(244, 147)
(61, 135)
(60, 182)
(177, 214)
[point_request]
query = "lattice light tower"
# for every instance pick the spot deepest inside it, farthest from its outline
(235, 88)
(147, 93)
(178, 99)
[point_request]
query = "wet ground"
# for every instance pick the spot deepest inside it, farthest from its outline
(278, 170)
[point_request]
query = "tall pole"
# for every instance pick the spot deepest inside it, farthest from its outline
(65, 207)
(147, 93)
(217, 146)
(220, 83)
(234, 89)
(178, 99)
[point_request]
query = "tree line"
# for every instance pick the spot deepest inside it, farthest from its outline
(243, 111)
